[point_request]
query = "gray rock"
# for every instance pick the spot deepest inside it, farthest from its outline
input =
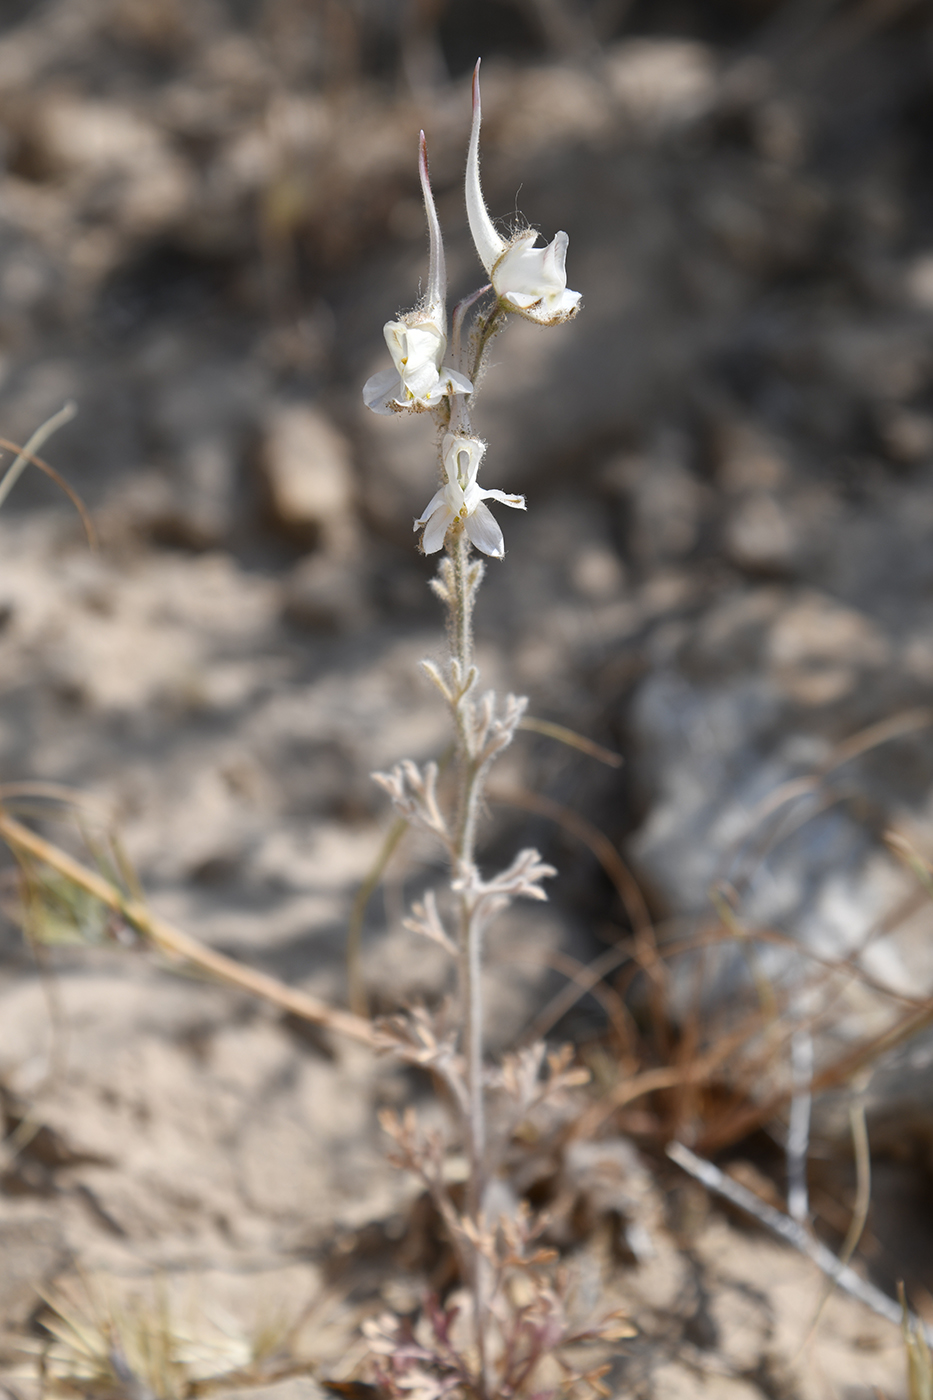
(307, 467)
(762, 820)
(32, 1252)
(327, 593)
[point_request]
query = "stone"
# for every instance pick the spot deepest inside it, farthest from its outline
(200, 506)
(120, 159)
(748, 459)
(661, 83)
(307, 468)
(761, 824)
(32, 1253)
(326, 594)
(760, 536)
(662, 497)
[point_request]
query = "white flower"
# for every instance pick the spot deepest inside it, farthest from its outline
(417, 341)
(462, 499)
(529, 280)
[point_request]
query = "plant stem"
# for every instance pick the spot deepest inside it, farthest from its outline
(461, 607)
(471, 992)
(470, 929)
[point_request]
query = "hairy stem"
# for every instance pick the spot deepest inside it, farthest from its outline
(470, 972)
(470, 930)
(461, 606)
(485, 329)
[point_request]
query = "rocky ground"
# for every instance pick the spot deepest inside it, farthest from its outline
(207, 213)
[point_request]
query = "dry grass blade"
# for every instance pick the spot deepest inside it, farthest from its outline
(745, 1120)
(585, 979)
(906, 852)
(60, 482)
(54, 792)
(695, 1071)
(860, 1208)
(572, 739)
(644, 944)
(724, 899)
(27, 455)
(907, 722)
(777, 807)
(180, 946)
(797, 1149)
(357, 993)
(919, 1362)
(792, 1233)
(600, 845)
(24, 454)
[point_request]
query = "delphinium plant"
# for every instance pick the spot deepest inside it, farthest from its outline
(515, 1341)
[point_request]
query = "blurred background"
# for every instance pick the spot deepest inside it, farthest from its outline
(208, 209)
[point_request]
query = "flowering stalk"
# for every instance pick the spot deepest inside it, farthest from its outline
(529, 282)
(467, 579)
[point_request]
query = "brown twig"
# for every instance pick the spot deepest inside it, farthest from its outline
(737, 1125)
(179, 945)
(644, 943)
(572, 739)
(694, 1072)
(602, 848)
(792, 1232)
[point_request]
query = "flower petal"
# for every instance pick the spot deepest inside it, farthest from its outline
(519, 267)
(435, 531)
(430, 508)
(555, 261)
(381, 389)
(483, 531)
(565, 305)
(489, 245)
(534, 280)
(453, 449)
(516, 502)
(449, 382)
(457, 382)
